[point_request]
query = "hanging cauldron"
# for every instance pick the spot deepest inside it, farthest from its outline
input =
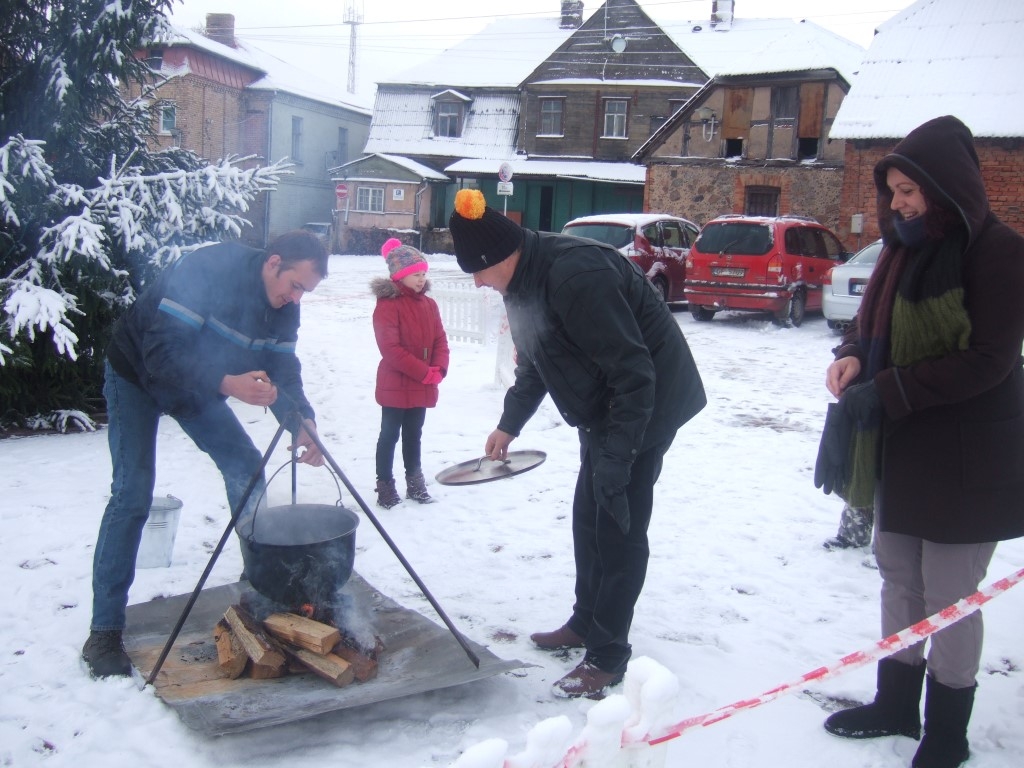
(299, 553)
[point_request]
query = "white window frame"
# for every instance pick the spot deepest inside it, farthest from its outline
(546, 117)
(370, 199)
(297, 130)
(168, 126)
(615, 122)
(446, 113)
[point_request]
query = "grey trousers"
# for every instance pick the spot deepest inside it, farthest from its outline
(920, 578)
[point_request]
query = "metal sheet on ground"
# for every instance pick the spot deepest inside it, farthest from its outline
(419, 656)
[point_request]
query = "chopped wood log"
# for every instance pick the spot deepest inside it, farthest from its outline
(267, 671)
(231, 656)
(363, 660)
(305, 633)
(263, 650)
(330, 667)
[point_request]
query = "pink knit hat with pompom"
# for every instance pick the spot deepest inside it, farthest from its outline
(403, 260)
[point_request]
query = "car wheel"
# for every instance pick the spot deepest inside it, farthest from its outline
(703, 314)
(661, 287)
(794, 312)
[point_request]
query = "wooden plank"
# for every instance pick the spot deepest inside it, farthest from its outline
(305, 633)
(231, 655)
(263, 650)
(330, 667)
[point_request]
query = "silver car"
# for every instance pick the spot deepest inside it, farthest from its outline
(843, 286)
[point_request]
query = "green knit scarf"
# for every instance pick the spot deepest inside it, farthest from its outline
(928, 321)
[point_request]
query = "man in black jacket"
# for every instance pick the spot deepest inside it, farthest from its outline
(592, 332)
(222, 321)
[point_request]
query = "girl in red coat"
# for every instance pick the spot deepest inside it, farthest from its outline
(414, 360)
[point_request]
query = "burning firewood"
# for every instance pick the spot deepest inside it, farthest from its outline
(231, 655)
(362, 659)
(330, 667)
(305, 633)
(263, 650)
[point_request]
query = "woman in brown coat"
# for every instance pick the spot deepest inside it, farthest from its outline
(930, 380)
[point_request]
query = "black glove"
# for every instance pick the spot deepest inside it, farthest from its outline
(611, 476)
(862, 404)
(834, 450)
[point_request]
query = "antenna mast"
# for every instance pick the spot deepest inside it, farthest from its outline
(353, 17)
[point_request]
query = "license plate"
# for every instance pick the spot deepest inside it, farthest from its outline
(727, 271)
(857, 289)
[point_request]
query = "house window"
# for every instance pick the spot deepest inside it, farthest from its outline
(615, 113)
(168, 118)
(297, 139)
(370, 199)
(342, 146)
(551, 117)
(734, 147)
(807, 149)
(449, 119)
(155, 59)
(785, 101)
(762, 201)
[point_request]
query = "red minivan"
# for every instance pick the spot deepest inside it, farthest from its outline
(761, 264)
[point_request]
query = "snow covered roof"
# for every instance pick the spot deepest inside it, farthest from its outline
(940, 57)
(569, 169)
(423, 171)
(756, 46)
(404, 120)
(278, 75)
(501, 55)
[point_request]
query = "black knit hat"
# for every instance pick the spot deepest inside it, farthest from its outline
(482, 236)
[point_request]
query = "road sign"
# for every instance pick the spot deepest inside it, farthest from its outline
(505, 172)
(504, 187)
(341, 190)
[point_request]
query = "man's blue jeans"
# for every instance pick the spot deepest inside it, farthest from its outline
(133, 418)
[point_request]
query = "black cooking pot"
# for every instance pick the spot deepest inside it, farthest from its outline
(299, 553)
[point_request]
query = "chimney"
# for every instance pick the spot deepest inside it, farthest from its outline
(721, 14)
(220, 27)
(572, 14)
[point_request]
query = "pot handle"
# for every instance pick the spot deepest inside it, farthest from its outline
(480, 462)
(256, 509)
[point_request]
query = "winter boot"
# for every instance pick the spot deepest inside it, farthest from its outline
(104, 654)
(387, 494)
(896, 710)
(416, 487)
(946, 714)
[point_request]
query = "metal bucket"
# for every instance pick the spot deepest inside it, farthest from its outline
(157, 543)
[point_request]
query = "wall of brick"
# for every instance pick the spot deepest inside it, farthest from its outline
(1002, 168)
(701, 191)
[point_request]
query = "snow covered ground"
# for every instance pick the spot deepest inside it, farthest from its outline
(740, 595)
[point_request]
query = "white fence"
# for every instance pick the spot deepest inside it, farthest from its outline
(465, 309)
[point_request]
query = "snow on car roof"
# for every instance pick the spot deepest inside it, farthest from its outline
(626, 219)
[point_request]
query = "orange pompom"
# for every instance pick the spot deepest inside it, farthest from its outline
(470, 203)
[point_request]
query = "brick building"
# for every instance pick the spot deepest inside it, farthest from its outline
(903, 83)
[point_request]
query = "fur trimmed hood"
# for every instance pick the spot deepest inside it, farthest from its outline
(386, 288)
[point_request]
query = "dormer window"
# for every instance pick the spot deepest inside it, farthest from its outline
(449, 113)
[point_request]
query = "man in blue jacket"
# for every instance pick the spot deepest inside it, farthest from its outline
(221, 322)
(593, 333)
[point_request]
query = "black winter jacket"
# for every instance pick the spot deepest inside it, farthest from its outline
(591, 331)
(205, 317)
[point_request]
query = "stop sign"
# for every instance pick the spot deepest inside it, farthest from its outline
(341, 190)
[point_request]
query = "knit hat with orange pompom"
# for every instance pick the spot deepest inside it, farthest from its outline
(403, 260)
(482, 236)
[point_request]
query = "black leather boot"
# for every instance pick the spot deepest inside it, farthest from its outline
(105, 656)
(896, 710)
(947, 711)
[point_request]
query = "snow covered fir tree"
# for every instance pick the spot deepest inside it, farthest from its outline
(88, 212)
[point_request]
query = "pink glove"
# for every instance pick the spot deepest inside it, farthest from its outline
(433, 375)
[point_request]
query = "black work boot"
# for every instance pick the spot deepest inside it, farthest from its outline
(387, 494)
(947, 711)
(896, 710)
(416, 487)
(104, 653)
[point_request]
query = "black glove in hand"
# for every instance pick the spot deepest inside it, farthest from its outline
(611, 476)
(861, 403)
(834, 450)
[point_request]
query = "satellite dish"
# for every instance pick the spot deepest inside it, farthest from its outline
(618, 43)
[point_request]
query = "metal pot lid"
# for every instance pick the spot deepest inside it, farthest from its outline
(484, 470)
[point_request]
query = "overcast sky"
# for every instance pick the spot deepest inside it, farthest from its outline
(393, 35)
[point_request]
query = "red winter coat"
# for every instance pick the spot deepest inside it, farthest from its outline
(411, 339)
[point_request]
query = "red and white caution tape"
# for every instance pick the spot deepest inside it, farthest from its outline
(879, 650)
